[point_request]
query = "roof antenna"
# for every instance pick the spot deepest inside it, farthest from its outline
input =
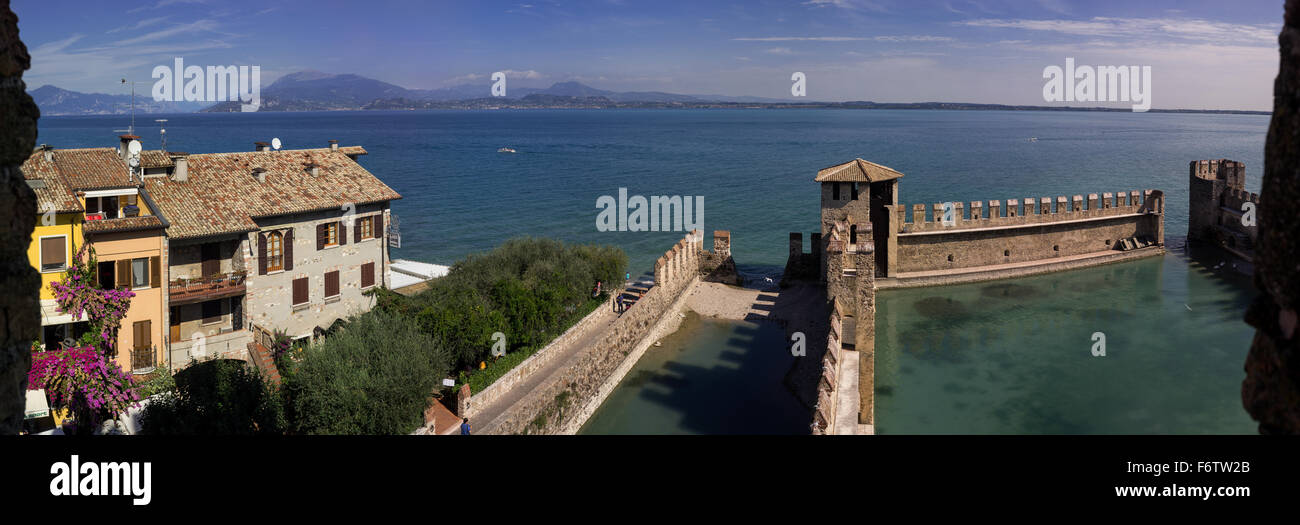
(131, 130)
(162, 130)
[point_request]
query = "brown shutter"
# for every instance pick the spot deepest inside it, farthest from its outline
(320, 236)
(356, 230)
(123, 274)
(367, 275)
(343, 233)
(300, 291)
(261, 254)
(379, 226)
(331, 283)
(155, 271)
(286, 249)
(211, 255)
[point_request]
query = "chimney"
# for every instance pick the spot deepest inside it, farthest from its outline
(123, 142)
(260, 175)
(181, 172)
(49, 152)
(334, 144)
(313, 168)
(261, 146)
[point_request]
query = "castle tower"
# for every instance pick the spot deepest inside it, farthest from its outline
(865, 194)
(1208, 182)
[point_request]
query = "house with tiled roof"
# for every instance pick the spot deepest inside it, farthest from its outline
(92, 196)
(268, 240)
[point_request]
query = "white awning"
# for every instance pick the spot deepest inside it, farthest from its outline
(112, 193)
(37, 406)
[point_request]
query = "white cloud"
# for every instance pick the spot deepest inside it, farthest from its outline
(1127, 28)
(882, 38)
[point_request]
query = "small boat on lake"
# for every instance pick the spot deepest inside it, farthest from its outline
(507, 150)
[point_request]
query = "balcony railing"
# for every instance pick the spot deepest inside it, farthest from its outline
(143, 360)
(206, 288)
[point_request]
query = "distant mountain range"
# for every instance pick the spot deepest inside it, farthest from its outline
(317, 91)
(57, 101)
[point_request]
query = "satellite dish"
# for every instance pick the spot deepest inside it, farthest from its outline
(134, 147)
(275, 143)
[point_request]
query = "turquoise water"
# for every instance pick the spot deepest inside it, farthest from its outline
(709, 377)
(1166, 371)
(1015, 356)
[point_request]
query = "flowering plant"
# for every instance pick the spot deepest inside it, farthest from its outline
(83, 380)
(79, 294)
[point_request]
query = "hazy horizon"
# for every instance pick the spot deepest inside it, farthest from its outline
(1205, 55)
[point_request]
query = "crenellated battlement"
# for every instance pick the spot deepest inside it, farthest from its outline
(1029, 211)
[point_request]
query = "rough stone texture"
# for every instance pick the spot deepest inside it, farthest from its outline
(929, 245)
(1271, 390)
(18, 305)
(1216, 196)
(565, 401)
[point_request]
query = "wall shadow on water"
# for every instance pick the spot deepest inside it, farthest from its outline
(709, 377)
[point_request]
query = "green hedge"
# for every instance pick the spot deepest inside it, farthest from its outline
(372, 376)
(220, 397)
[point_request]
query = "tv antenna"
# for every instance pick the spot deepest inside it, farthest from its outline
(162, 132)
(131, 130)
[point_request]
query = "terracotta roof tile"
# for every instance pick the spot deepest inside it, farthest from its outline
(123, 224)
(857, 170)
(52, 192)
(92, 168)
(154, 158)
(221, 195)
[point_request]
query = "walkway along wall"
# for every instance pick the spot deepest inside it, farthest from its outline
(564, 404)
(1035, 230)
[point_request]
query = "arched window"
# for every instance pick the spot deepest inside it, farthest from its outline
(274, 251)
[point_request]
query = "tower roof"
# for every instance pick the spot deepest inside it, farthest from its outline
(857, 170)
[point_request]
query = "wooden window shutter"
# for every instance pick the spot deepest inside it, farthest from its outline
(320, 236)
(300, 291)
(356, 230)
(379, 226)
(123, 274)
(367, 275)
(286, 249)
(343, 233)
(261, 254)
(331, 283)
(155, 271)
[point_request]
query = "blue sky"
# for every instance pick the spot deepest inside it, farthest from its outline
(1203, 54)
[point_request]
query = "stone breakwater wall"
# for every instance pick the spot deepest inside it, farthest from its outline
(506, 383)
(1018, 231)
(564, 403)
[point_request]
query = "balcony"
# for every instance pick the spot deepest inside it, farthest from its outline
(143, 360)
(184, 291)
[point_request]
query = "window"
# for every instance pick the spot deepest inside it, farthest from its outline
(835, 191)
(107, 280)
(140, 273)
(107, 206)
(367, 227)
(332, 234)
(274, 252)
(54, 253)
(300, 296)
(367, 275)
(142, 335)
(331, 284)
(212, 311)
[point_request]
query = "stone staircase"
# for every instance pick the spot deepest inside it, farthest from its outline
(262, 358)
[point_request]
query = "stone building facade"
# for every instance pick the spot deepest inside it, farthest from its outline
(1220, 210)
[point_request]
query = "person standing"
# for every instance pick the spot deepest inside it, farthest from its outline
(464, 426)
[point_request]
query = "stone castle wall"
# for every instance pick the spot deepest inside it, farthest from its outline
(1217, 209)
(1035, 229)
(564, 404)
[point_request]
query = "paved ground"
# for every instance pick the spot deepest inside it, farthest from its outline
(487, 417)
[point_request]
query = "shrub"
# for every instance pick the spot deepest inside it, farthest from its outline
(218, 397)
(373, 376)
